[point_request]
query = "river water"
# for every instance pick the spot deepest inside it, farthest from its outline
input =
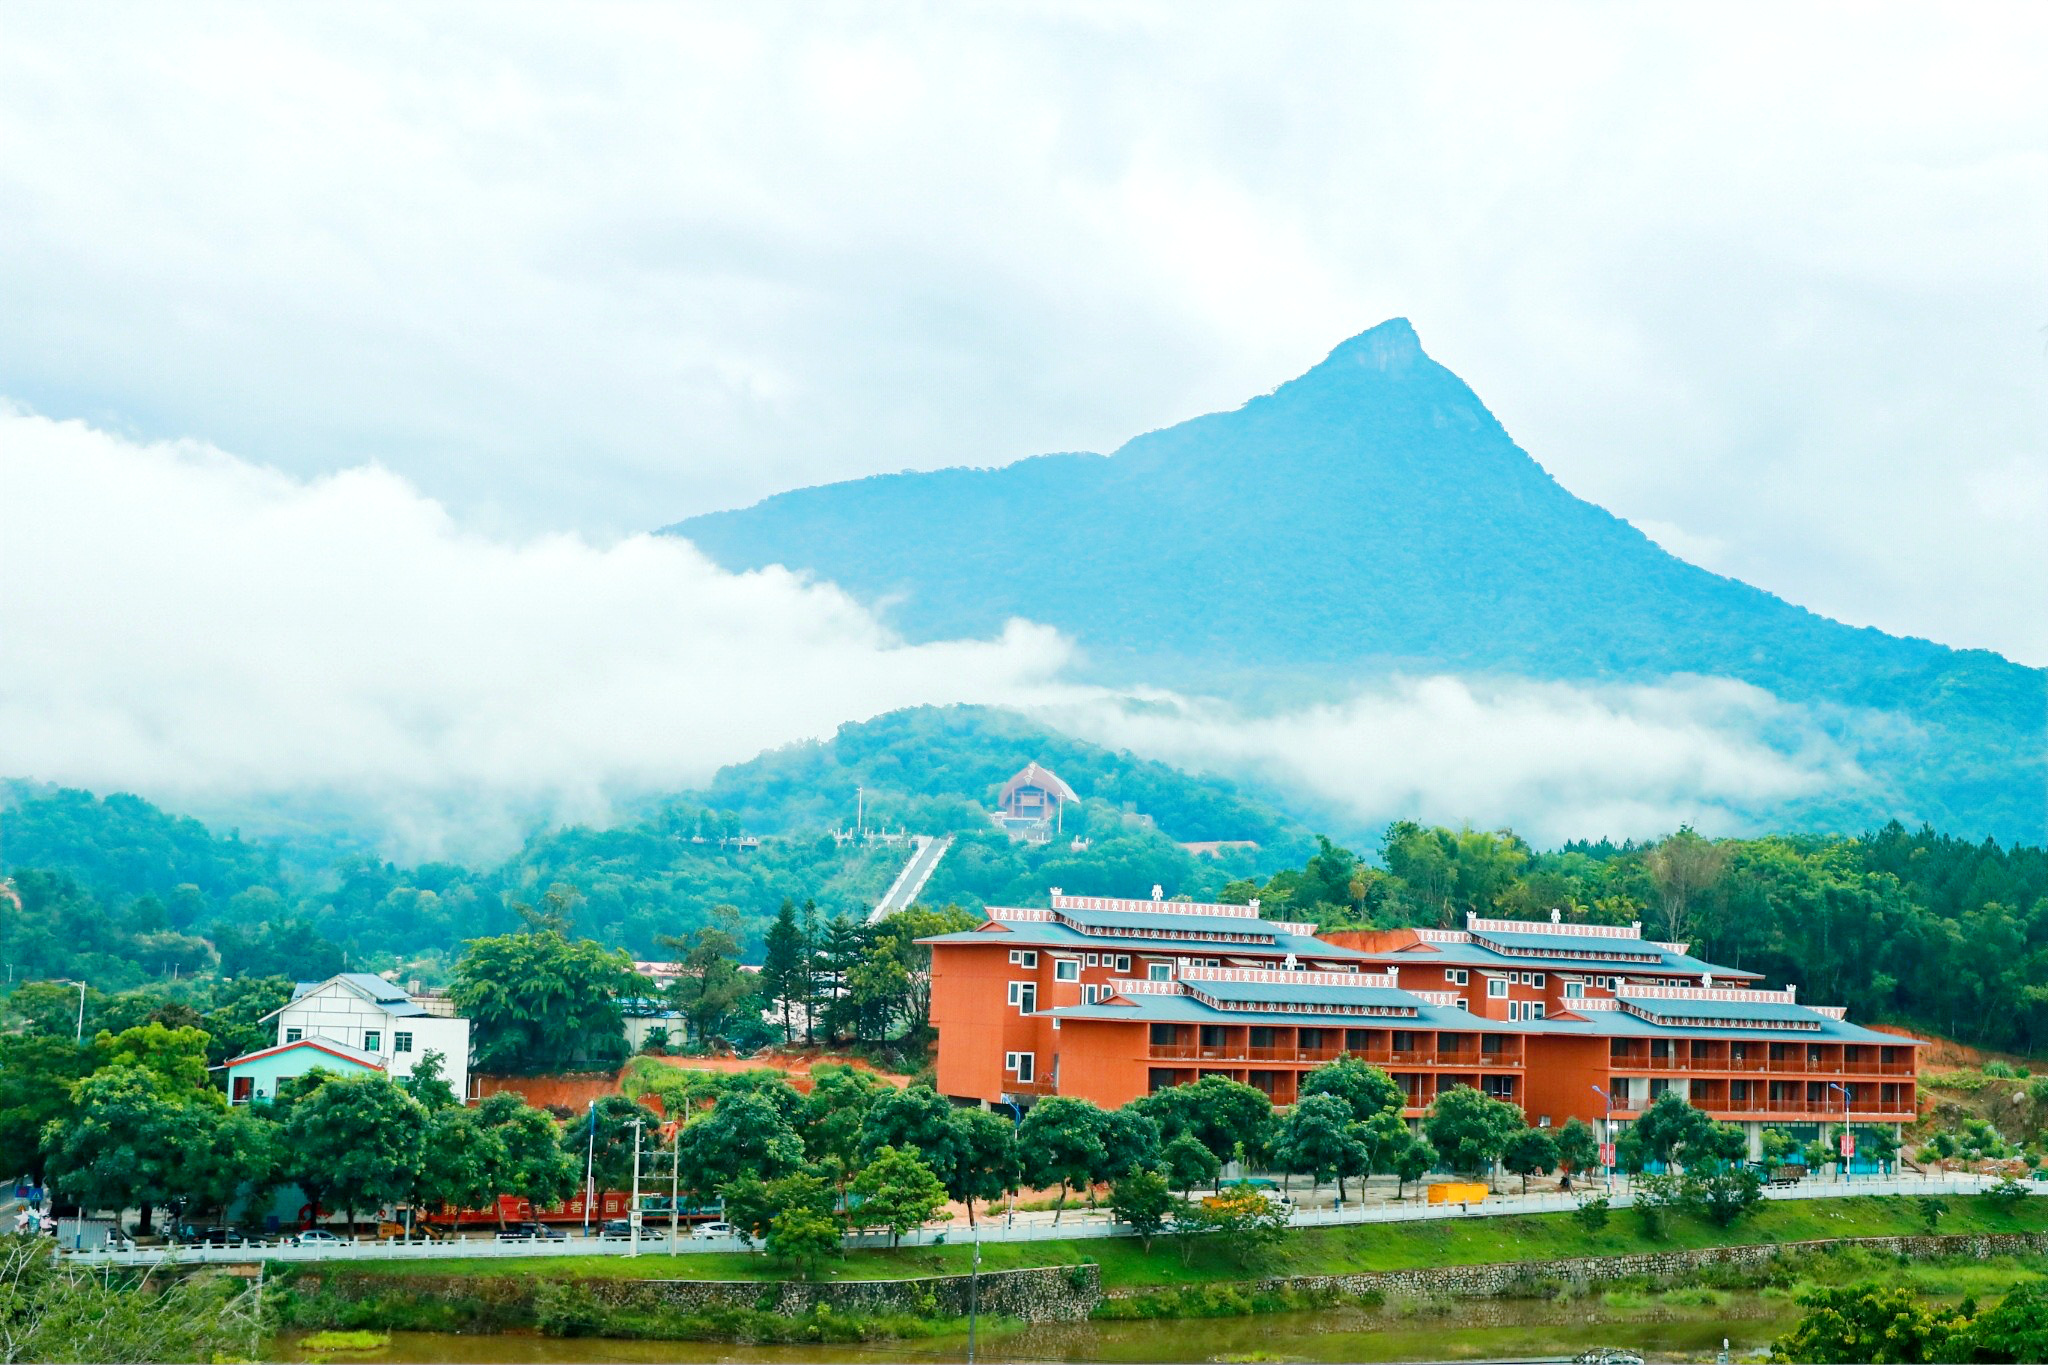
(1464, 1330)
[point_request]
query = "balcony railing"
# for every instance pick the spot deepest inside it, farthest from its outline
(1505, 1060)
(1770, 1108)
(1782, 1066)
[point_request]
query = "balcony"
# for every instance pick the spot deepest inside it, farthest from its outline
(1384, 1058)
(1756, 1066)
(1042, 1086)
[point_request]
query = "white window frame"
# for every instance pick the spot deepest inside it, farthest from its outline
(1027, 1067)
(1535, 1010)
(1123, 962)
(1458, 976)
(1095, 959)
(1496, 988)
(1066, 969)
(1159, 971)
(1464, 1004)
(1575, 990)
(1024, 996)
(1536, 980)
(295, 1035)
(1009, 1061)
(1023, 957)
(401, 1042)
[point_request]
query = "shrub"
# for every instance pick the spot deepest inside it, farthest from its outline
(1999, 1069)
(2006, 1195)
(564, 1309)
(1592, 1213)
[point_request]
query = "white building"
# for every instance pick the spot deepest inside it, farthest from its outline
(375, 1017)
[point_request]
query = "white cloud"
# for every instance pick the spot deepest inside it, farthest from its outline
(1554, 762)
(1773, 277)
(216, 634)
(185, 624)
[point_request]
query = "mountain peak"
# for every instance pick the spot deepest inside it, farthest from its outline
(1392, 345)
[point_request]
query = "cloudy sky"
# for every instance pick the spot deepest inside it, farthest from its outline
(1767, 281)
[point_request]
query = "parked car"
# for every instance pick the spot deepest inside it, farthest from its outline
(531, 1232)
(320, 1237)
(616, 1230)
(212, 1237)
(718, 1229)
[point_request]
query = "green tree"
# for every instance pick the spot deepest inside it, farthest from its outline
(427, 1083)
(1141, 1202)
(54, 1312)
(785, 970)
(1722, 1195)
(119, 1147)
(1529, 1151)
(609, 1157)
(897, 1192)
(743, 1134)
(1668, 1127)
(836, 1110)
(985, 1160)
(222, 1157)
(539, 1002)
(1130, 1141)
(1062, 1141)
(1316, 1139)
(37, 1074)
(535, 1166)
(1578, 1151)
(1469, 1129)
(915, 1119)
(1364, 1088)
(355, 1143)
(1188, 1163)
(2017, 1329)
(1778, 1147)
(803, 1240)
(1242, 1219)
(176, 1058)
(1223, 1115)
(711, 985)
(1868, 1322)
(236, 1025)
(464, 1162)
(1409, 1161)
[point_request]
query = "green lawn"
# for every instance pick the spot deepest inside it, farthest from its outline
(1316, 1251)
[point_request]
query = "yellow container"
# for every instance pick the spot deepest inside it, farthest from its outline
(1457, 1192)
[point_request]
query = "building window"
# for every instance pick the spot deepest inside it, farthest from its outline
(1066, 969)
(1024, 995)
(1536, 980)
(1027, 1067)
(1458, 976)
(1464, 1004)
(401, 1042)
(1024, 957)
(1535, 1009)
(242, 1089)
(1159, 971)
(1123, 962)
(1574, 990)
(1094, 959)
(292, 1035)
(1496, 987)
(1009, 1061)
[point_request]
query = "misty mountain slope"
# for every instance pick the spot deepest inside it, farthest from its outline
(1368, 518)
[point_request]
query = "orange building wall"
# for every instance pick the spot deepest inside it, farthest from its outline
(1102, 1058)
(969, 986)
(1560, 1077)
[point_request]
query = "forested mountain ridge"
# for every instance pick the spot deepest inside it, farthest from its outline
(116, 887)
(1373, 517)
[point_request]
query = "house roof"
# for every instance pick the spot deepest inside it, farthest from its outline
(383, 994)
(1031, 775)
(1170, 923)
(1475, 954)
(1053, 934)
(346, 1053)
(1279, 993)
(1756, 1010)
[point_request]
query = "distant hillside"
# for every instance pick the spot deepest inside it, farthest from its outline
(1372, 517)
(930, 770)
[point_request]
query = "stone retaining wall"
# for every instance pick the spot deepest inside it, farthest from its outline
(1048, 1294)
(1512, 1278)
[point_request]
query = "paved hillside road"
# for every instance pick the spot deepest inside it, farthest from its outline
(909, 883)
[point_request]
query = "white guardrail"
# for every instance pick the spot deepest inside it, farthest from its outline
(1075, 1224)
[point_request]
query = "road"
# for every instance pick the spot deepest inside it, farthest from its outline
(1075, 1224)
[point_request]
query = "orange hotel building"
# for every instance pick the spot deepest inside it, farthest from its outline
(1109, 999)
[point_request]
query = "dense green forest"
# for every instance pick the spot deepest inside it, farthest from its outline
(117, 890)
(1913, 927)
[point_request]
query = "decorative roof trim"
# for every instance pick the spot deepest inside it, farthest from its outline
(1554, 925)
(1271, 977)
(1125, 906)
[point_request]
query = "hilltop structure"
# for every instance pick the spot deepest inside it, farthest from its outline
(1109, 999)
(1031, 803)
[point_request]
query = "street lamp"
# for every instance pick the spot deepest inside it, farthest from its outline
(633, 1208)
(1607, 1135)
(1848, 1142)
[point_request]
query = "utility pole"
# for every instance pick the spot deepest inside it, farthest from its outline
(973, 1292)
(589, 1166)
(675, 1178)
(633, 1209)
(1607, 1135)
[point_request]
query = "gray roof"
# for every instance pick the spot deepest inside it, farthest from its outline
(1171, 923)
(1052, 934)
(1479, 955)
(1275, 992)
(1571, 944)
(1724, 1009)
(392, 999)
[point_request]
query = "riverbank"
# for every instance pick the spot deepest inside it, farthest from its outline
(878, 1295)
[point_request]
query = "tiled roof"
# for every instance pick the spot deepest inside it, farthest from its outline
(1052, 934)
(1571, 945)
(1479, 955)
(1663, 1008)
(1274, 992)
(1169, 923)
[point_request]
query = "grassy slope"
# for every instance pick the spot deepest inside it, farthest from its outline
(1320, 1251)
